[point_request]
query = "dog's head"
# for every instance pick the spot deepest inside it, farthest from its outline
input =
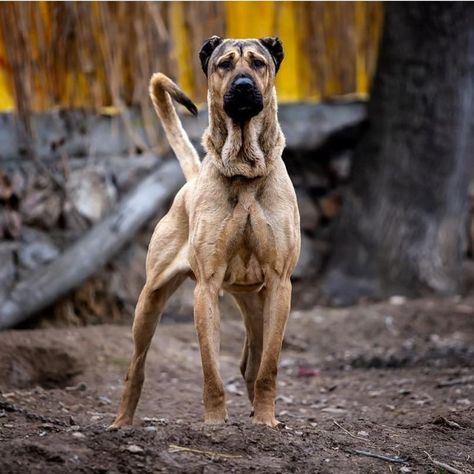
(241, 73)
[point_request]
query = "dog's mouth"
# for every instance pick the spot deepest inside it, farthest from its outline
(243, 100)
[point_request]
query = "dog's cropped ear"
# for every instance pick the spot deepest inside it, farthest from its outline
(207, 49)
(275, 48)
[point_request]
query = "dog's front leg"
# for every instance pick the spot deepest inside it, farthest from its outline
(207, 320)
(275, 316)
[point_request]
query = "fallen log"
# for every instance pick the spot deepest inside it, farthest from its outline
(93, 250)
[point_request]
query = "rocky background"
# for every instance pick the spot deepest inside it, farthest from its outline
(85, 164)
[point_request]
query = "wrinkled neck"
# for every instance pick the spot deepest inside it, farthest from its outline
(247, 149)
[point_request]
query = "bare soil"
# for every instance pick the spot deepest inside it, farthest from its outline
(392, 379)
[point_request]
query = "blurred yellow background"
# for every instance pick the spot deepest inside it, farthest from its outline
(101, 54)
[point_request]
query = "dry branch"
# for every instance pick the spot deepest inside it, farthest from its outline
(443, 465)
(382, 457)
(174, 448)
(92, 251)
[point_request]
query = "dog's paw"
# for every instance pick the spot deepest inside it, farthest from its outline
(217, 418)
(119, 423)
(270, 421)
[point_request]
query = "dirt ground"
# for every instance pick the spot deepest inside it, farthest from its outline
(393, 379)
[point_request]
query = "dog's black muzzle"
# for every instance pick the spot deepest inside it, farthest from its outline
(243, 100)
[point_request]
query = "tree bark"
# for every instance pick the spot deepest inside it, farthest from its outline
(400, 231)
(92, 251)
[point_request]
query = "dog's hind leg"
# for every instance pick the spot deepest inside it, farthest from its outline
(167, 268)
(147, 315)
(251, 307)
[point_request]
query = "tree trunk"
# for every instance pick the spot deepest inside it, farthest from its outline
(92, 251)
(401, 228)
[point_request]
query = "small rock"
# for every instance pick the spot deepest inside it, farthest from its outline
(375, 393)
(363, 433)
(232, 388)
(397, 300)
(404, 391)
(80, 387)
(134, 449)
(334, 411)
(287, 362)
(104, 400)
(287, 400)
(405, 469)
(78, 435)
(151, 428)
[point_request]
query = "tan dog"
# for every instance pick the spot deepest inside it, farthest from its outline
(233, 225)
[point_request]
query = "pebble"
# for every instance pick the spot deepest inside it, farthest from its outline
(334, 411)
(79, 435)
(234, 389)
(134, 449)
(151, 428)
(104, 400)
(284, 399)
(397, 300)
(80, 387)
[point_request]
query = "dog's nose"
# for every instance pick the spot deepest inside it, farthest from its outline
(243, 84)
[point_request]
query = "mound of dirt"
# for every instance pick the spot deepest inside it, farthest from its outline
(371, 388)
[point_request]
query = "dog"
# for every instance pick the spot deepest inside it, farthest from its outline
(234, 225)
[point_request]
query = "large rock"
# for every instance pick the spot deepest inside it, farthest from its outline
(91, 193)
(76, 133)
(35, 249)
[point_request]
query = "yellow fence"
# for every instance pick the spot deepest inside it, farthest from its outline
(101, 54)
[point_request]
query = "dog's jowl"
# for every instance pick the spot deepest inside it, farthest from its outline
(234, 225)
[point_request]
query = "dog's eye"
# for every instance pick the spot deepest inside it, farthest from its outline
(225, 64)
(258, 64)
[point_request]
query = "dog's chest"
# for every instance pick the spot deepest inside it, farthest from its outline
(251, 244)
(242, 234)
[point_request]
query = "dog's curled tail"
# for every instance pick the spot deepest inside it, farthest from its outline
(162, 89)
